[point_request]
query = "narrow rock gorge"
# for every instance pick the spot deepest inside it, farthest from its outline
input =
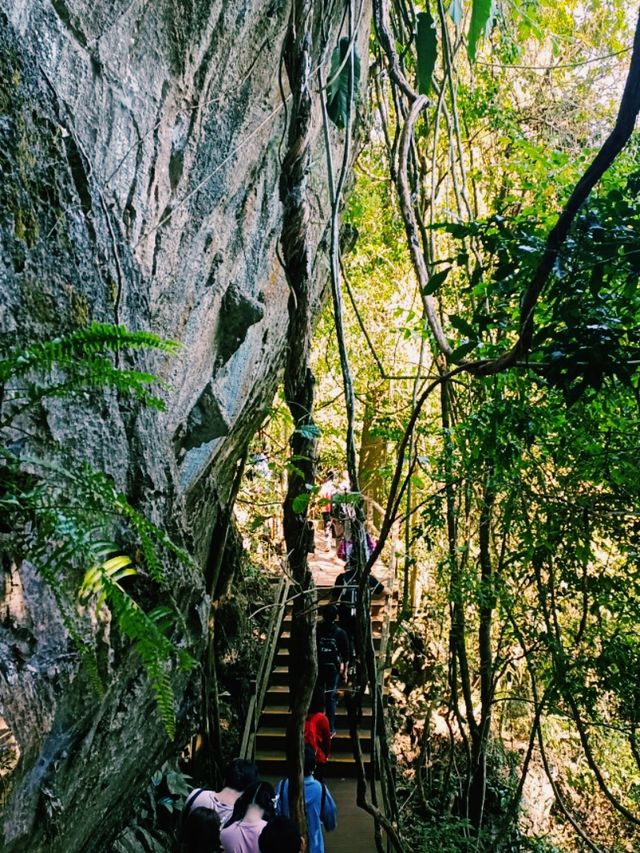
(140, 152)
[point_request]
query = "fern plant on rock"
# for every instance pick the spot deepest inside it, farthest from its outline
(72, 523)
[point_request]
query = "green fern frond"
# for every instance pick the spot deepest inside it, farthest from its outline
(64, 511)
(186, 662)
(153, 647)
(115, 569)
(96, 375)
(69, 350)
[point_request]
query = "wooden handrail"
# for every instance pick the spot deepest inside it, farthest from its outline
(248, 744)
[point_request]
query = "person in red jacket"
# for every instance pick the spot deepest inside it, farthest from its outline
(316, 730)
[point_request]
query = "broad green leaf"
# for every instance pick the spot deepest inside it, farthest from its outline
(339, 80)
(462, 351)
(480, 15)
(435, 281)
(301, 502)
(462, 325)
(426, 50)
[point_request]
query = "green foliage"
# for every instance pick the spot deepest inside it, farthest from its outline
(446, 834)
(157, 815)
(79, 361)
(426, 50)
(301, 502)
(591, 321)
(61, 512)
(481, 11)
(310, 430)
(68, 350)
(343, 81)
(540, 464)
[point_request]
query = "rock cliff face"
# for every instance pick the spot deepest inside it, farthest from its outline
(140, 157)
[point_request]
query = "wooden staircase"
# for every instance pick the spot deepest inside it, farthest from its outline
(270, 749)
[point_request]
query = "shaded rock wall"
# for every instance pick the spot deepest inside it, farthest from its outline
(139, 153)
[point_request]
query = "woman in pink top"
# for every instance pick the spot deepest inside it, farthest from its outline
(250, 815)
(239, 776)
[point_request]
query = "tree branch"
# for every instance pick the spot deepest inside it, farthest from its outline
(613, 145)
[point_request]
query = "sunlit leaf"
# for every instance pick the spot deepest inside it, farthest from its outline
(301, 502)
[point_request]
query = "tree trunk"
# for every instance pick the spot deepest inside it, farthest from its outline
(486, 606)
(373, 455)
(299, 384)
(303, 667)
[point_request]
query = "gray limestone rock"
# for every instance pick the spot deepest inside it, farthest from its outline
(140, 158)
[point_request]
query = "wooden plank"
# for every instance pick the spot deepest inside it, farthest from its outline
(354, 832)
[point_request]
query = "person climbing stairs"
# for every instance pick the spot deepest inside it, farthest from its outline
(270, 751)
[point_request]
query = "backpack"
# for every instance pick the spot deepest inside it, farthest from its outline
(186, 811)
(328, 652)
(280, 792)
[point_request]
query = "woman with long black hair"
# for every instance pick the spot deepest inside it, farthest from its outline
(250, 815)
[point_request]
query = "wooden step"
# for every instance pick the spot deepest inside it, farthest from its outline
(282, 654)
(276, 715)
(377, 604)
(273, 739)
(278, 694)
(280, 675)
(377, 621)
(339, 766)
(285, 639)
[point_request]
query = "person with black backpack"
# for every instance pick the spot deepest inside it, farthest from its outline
(345, 592)
(281, 835)
(333, 656)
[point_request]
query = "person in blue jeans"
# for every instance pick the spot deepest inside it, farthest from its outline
(319, 805)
